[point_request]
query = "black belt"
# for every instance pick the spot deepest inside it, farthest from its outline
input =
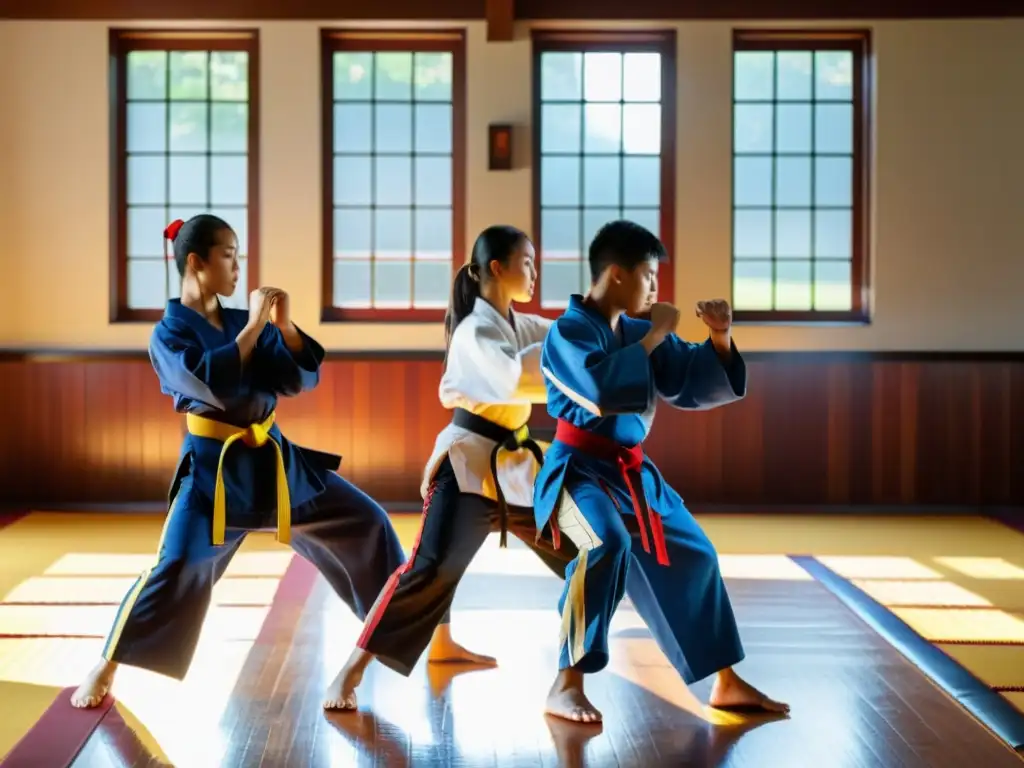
(506, 439)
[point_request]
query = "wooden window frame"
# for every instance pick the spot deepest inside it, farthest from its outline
(661, 41)
(121, 43)
(857, 42)
(372, 41)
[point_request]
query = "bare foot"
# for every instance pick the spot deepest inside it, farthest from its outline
(95, 687)
(730, 691)
(567, 700)
(444, 650)
(341, 693)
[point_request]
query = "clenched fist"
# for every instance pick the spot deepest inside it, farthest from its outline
(716, 314)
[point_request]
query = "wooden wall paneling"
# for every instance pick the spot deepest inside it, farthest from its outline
(840, 430)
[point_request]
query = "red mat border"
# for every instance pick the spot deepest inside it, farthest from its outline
(63, 731)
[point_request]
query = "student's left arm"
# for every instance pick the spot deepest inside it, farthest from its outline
(702, 376)
(286, 360)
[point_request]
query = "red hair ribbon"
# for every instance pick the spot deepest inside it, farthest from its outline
(173, 228)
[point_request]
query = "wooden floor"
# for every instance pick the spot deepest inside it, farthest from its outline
(253, 695)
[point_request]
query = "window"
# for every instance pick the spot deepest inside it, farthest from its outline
(394, 168)
(604, 148)
(800, 132)
(184, 120)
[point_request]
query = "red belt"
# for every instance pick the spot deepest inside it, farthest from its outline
(629, 461)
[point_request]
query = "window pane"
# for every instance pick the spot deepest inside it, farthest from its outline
(601, 181)
(833, 234)
(833, 287)
(433, 231)
(189, 75)
(752, 234)
(189, 180)
(560, 128)
(433, 181)
(147, 75)
(641, 129)
(754, 73)
(794, 128)
(642, 77)
(352, 181)
(392, 283)
(833, 75)
(833, 128)
(641, 181)
(793, 234)
(433, 127)
(353, 233)
(795, 70)
(189, 127)
(793, 181)
(602, 128)
(559, 280)
(753, 181)
(560, 181)
(432, 282)
(433, 76)
(392, 233)
(147, 127)
(393, 180)
(793, 285)
(752, 285)
(353, 78)
(147, 283)
(147, 179)
(602, 76)
(229, 177)
(833, 181)
(229, 128)
(352, 127)
(561, 77)
(146, 231)
(560, 234)
(753, 127)
(229, 76)
(351, 283)
(393, 128)
(393, 76)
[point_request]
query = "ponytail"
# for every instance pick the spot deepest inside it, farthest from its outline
(465, 291)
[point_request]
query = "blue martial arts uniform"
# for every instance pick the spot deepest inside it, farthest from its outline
(634, 534)
(329, 521)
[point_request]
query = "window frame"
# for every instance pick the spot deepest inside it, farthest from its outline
(859, 43)
(123, 41)
(662, 41)
(374, 41)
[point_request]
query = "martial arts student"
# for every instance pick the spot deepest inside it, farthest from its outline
(484, 461)
(225, 369)
(605, 372)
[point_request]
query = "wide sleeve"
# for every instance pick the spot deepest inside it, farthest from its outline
(693, 376)
(275, 368)
(603, 383)
(186, 368)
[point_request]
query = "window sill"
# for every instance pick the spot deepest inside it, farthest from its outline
(771, 317)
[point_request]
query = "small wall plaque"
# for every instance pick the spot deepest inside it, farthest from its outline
(500, 147)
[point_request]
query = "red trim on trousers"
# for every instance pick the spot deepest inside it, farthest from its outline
(392, 584)
(629, 461)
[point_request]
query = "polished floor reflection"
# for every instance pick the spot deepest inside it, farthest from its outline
(253, 695)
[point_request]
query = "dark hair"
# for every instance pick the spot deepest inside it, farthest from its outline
(496, 243)
(197, 235)
(624, 244)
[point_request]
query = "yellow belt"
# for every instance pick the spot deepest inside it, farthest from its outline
(254, 436)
